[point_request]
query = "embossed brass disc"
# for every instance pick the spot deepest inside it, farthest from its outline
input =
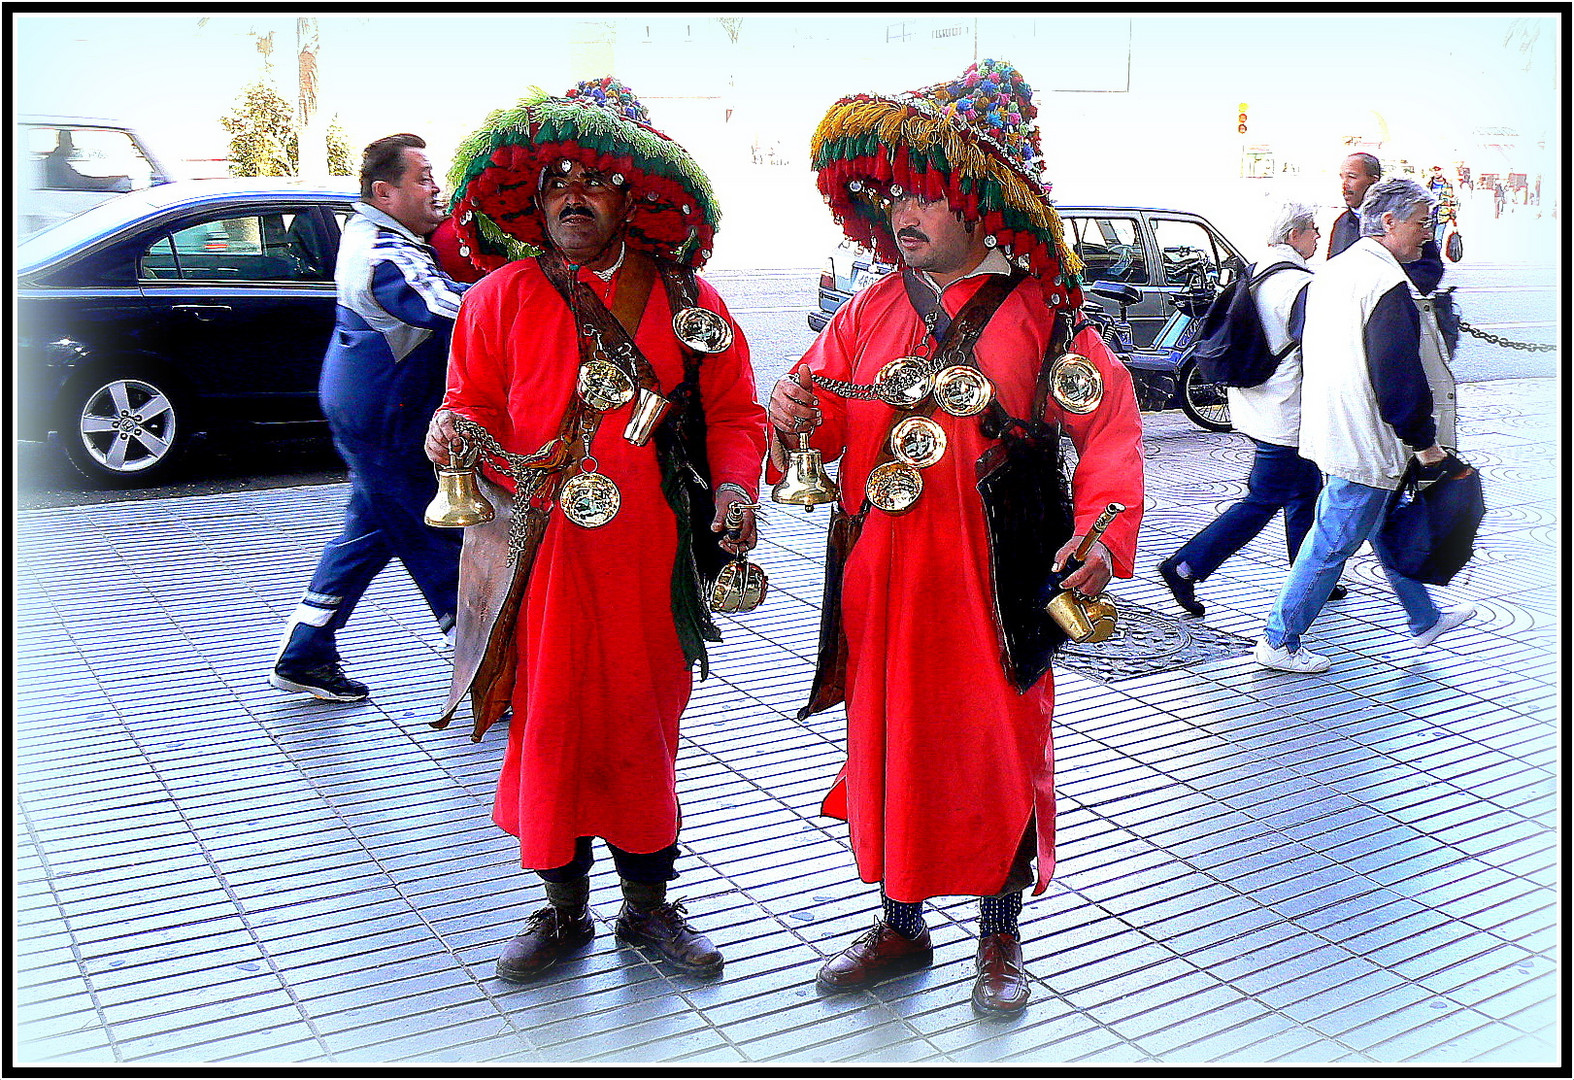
(589, 500)
(963, 391)
(1076, 384)
(904, 382)
(918, 441)
(702, 330)
(604, 386)
(894, 486)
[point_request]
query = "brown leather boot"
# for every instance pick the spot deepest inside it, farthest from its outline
(878, 953)
(665, 929)
(1001, 987)
(549, 935)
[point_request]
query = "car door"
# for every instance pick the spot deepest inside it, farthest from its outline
(1189, 251)
(246, 302)
(1115, 250)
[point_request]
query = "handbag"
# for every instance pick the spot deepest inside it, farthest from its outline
(1428, 532)
(1454, 246)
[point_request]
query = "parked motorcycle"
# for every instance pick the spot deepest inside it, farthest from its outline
(1163, 375)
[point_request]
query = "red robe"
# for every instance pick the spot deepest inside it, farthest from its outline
(601, 679)
(946, 761)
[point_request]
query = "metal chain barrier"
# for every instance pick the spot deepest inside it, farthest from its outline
(1495, 339)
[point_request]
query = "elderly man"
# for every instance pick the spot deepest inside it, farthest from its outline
(1357, 174)
(933, 626)
(1270, 415)
(1367, 406)
(587, 618)
(381, 379)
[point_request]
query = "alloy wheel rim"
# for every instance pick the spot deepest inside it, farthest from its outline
(127, 425)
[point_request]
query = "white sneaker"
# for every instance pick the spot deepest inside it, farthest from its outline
(1445, 622)
(1301, 661)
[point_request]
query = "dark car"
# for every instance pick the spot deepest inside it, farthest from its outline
(1156, 251)
(189, 307)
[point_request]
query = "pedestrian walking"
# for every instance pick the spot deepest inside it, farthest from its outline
(1270, 415)
(1373, 376)
(920, 385)
(381, 379)
(587, 619)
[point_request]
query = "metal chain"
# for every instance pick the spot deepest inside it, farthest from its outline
(517, 467)
(1495, 339)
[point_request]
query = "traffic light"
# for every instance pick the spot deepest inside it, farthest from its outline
(1240, 119)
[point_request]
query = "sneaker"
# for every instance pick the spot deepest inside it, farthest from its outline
(326, 682)
(1339, 593)
(1445, 622)
(1301, 661)
(1182, 588)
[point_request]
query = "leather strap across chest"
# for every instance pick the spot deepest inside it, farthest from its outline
(956, 341)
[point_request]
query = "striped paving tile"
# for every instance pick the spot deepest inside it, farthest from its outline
(1253, 867)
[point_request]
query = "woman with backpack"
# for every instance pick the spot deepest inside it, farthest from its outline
(1267, 409)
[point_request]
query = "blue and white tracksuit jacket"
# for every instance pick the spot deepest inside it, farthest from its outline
(382, 379)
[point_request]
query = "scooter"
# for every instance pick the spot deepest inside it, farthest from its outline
(1163, 374)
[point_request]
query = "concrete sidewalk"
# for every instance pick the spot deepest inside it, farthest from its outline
(1255, 867)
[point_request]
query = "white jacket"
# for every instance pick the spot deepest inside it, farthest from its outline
(1270, 412)
(1366, 405)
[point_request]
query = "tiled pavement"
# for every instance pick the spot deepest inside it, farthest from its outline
(1355, 867)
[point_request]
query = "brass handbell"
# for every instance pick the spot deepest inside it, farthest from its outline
(1092, 620)
(458, 501)
(804, 482)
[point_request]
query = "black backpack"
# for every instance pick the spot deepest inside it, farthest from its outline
(1232, 349)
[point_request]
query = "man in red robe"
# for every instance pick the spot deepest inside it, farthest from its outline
(948, 786)
(608, 617)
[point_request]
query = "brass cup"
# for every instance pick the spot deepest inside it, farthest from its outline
(739, 588)
(649, 408)
(1085, 622)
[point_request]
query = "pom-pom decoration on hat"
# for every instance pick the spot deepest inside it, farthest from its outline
(602, 125)
(971, 141)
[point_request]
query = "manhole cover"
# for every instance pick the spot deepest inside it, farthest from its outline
(1146, 642)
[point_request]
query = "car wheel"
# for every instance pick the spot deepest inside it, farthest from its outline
(1204, 403)
(127, 429)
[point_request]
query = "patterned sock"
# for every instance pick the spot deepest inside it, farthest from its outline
(571, 897)
(906, 919)
(644, 895)
(998, 914)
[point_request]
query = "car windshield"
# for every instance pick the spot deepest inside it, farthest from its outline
(82, 228)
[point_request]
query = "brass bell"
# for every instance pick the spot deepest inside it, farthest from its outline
(458, 501)
(804, 482)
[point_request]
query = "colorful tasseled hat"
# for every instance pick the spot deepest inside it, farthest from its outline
(971, 141)
(601, 124)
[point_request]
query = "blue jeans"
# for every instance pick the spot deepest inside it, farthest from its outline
(1280, 477)
(1347, 515)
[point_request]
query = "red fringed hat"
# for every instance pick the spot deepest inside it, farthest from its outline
(601, 124)
(971, 141)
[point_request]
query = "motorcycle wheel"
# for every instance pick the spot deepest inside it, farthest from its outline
(1204, 403)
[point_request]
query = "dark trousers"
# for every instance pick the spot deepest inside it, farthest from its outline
(389, 490)
(1280, 479)
(648, 869)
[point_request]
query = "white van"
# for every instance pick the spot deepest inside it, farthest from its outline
(66, 164)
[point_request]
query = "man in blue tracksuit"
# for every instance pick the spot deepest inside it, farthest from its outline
(382, 379)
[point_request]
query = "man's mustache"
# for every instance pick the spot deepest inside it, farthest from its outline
(575, 211)
(912, 233)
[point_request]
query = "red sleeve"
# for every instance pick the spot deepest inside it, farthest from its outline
(831, 356)
(1109, 454)
(734, 420)
(478, 363)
